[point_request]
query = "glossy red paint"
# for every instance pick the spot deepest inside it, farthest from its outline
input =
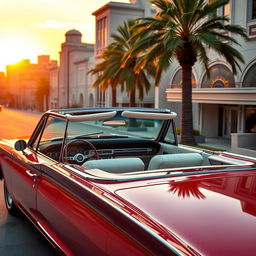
(19, 176)
(63, 217)
(190, 214)
(214, 216)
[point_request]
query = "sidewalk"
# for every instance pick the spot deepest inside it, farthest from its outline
(219, 143)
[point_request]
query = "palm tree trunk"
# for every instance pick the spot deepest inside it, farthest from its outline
(187, 134)
(133, 122)
(114, 96)
(132, 98)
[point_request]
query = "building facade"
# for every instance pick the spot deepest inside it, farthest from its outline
(3, 89)
(224, 103)
(108, 18)
(70, 83)
(72, 74)
(24, 80)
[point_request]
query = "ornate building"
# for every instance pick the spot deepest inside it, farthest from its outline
(108, 18)
(224, 103)
(72, 81)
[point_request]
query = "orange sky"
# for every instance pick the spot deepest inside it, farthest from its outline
(33, 27)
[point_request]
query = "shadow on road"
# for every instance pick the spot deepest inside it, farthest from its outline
(19, 237)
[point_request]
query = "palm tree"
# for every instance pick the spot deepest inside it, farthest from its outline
(186, 30)
(189, 188)
(113, 71)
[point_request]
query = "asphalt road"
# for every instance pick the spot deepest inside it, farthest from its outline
(18, 236)
(17, 124)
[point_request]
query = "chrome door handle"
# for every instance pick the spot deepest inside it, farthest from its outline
(31, 174)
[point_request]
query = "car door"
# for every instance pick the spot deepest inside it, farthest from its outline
(60, 214)
(25, 172)
(72, 225)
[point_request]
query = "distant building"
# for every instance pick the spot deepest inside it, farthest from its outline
(54, 88)
(24, 79)
(3, 89)
(72, 77)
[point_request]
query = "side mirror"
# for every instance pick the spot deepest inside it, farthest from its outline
(20, 145)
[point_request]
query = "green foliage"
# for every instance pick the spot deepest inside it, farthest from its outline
(195, 132)
(186, 30)
(119, 65)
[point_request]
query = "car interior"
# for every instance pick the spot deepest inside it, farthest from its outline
(116, 148)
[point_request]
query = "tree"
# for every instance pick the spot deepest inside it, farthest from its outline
(42, 93)
(186, 30)
(189, 188)
(114, 71)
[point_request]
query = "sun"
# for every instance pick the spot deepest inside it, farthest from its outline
(15, 48)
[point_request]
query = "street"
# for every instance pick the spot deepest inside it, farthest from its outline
(16, 124)
(17, 235)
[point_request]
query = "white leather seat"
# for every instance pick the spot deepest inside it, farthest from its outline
(175, 161)
(116, 165)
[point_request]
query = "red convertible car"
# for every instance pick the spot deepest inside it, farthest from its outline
(115, 182)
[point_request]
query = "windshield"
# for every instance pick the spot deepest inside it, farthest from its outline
(118, 126)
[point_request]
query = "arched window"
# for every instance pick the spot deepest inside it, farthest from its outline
(250, 77)
(220, 77)
(177, 80)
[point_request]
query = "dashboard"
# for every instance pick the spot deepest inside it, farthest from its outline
(78, 152)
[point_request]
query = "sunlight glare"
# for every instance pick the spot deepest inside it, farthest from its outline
(14, 49)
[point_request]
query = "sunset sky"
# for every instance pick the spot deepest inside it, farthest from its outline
(34, 27)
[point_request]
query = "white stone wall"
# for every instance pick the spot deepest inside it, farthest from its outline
(238, 16)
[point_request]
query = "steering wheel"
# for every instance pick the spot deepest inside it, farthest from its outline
(79, 158)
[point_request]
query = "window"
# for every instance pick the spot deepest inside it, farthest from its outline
(38, 134)
(250, 119)
(54, 130)
(254, 9)
(101, 35)
(170, 135)
(177, 80)
(226, 10)
(220, 77)
(117, 126)
(250, 77)
(100, 94)
(251, 10)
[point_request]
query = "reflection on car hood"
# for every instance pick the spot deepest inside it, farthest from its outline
(213, 216)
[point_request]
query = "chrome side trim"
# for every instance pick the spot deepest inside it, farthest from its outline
(242, 156)
(162, 173)
(39, 227)
(47, 235)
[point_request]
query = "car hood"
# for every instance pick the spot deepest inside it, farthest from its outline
(214, 216)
